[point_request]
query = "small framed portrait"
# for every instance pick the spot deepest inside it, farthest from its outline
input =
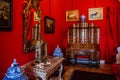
(95, 13)
(5, 15)
(49, 24)
(72, 15)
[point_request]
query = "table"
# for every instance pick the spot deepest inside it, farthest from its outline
(44, 73)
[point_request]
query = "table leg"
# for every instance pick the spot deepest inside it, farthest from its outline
(60, 72)
(42, 76)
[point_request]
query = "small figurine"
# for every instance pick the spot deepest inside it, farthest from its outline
(118, 55)
(58, 52)
(41, 65)
(14, 72)
(48, 62)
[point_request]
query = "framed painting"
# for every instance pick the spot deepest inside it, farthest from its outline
(95, 13)
(5, 15)
(49, 24)
(72, 15)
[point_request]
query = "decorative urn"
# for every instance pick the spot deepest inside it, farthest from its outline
(118, 55)
(58, 52)
(83, 17)
(14, 72)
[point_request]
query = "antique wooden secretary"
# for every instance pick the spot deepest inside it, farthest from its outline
(83, 44)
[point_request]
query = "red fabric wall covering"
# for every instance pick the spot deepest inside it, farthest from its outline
(11, 42)
(105, 40)
(57, 12)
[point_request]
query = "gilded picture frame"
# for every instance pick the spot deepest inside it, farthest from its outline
(31, 24)
(49, 24)
(72, 15)
(5, 15)
(95, 13)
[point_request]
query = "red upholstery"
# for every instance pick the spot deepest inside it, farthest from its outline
(79, 56)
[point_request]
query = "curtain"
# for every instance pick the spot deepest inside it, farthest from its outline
(112, 33)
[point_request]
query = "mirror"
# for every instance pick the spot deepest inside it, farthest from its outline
(32, 22)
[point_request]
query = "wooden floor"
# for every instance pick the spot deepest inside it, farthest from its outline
(68, 69)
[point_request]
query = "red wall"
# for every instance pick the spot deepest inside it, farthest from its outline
(56, 10)
(83, 5)
(11, 43)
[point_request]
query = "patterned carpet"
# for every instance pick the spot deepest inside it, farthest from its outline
(83, 75)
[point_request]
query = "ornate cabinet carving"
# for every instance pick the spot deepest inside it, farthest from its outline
(83, 38)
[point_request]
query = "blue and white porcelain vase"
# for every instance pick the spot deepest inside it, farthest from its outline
(118, 55)
(83, 17)
(14, 72)
(58, 52)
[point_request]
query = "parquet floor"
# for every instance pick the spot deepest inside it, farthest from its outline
(104, 68)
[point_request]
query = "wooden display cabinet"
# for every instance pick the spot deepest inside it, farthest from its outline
(83, 40)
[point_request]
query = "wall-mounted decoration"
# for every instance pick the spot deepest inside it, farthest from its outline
(72, 15)
(5, 15)
(32, 24)
(49, 24)
(95, 13)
